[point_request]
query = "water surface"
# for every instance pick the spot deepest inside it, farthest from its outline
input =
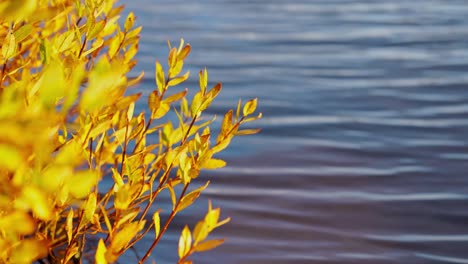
(363, 156)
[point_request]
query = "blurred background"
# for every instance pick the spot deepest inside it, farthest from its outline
(363, 157)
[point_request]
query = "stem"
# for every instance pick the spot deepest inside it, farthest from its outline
(166, 225)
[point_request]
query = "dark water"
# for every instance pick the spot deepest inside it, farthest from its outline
(363, 156)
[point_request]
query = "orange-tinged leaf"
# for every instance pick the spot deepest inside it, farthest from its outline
(208, 245)
(176, 97)
(248, 132)
(212, 164)
(184, 52)
(172, 58)
(250, 107)
(185, 242)
(100, 256)
(9, 46)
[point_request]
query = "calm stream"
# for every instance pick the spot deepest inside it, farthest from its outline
(363, 157)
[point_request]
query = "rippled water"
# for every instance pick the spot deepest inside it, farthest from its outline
(363, 156)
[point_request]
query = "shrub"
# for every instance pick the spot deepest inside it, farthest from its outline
(68, 122)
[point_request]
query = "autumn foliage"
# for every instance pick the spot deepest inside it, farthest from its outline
(68, 124)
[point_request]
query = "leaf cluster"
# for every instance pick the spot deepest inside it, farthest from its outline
(68, 124)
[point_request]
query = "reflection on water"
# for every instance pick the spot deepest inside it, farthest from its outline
(363, 154)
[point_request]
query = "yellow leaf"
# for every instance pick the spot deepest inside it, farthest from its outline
(28, 251)
(125, 235)
(122, 197)
(157, 223)
(90, 207)
(100, 256)
(52, 84)
(188, 199)
(38, 202)
(185, 242)
(17, 222)
(203, 80)
(104, 82)
(65, 41)
(69, 225)
(81, 182)
(129, 22)
(201, 231)
(9, 46)
(23, 32)
(176, 69)
(208, 245)
(96, 45)
(161, 111)
(211, 218)
(196, 103)
(173, 196)
(10, 157)
(160, 79)
(178, 80)
(250, 107)
(212, 164)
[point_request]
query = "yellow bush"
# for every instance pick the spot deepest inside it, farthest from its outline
(67, 122)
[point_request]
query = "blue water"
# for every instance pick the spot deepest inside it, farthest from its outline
(363, 157)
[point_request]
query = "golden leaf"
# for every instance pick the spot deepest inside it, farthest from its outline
(185, 242)
(18, 222)
(9, 46)
(81, 182)
(201, 231)
(212, 164)
(188, 199)
(208, 245)
(28, 251)
(160, 79)
(100, 256)
(178, 80)
(250, 107)
(10, 157)
(90, 207)
(38, 202)
(69, 225)
(157, 223)
(23, 32)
